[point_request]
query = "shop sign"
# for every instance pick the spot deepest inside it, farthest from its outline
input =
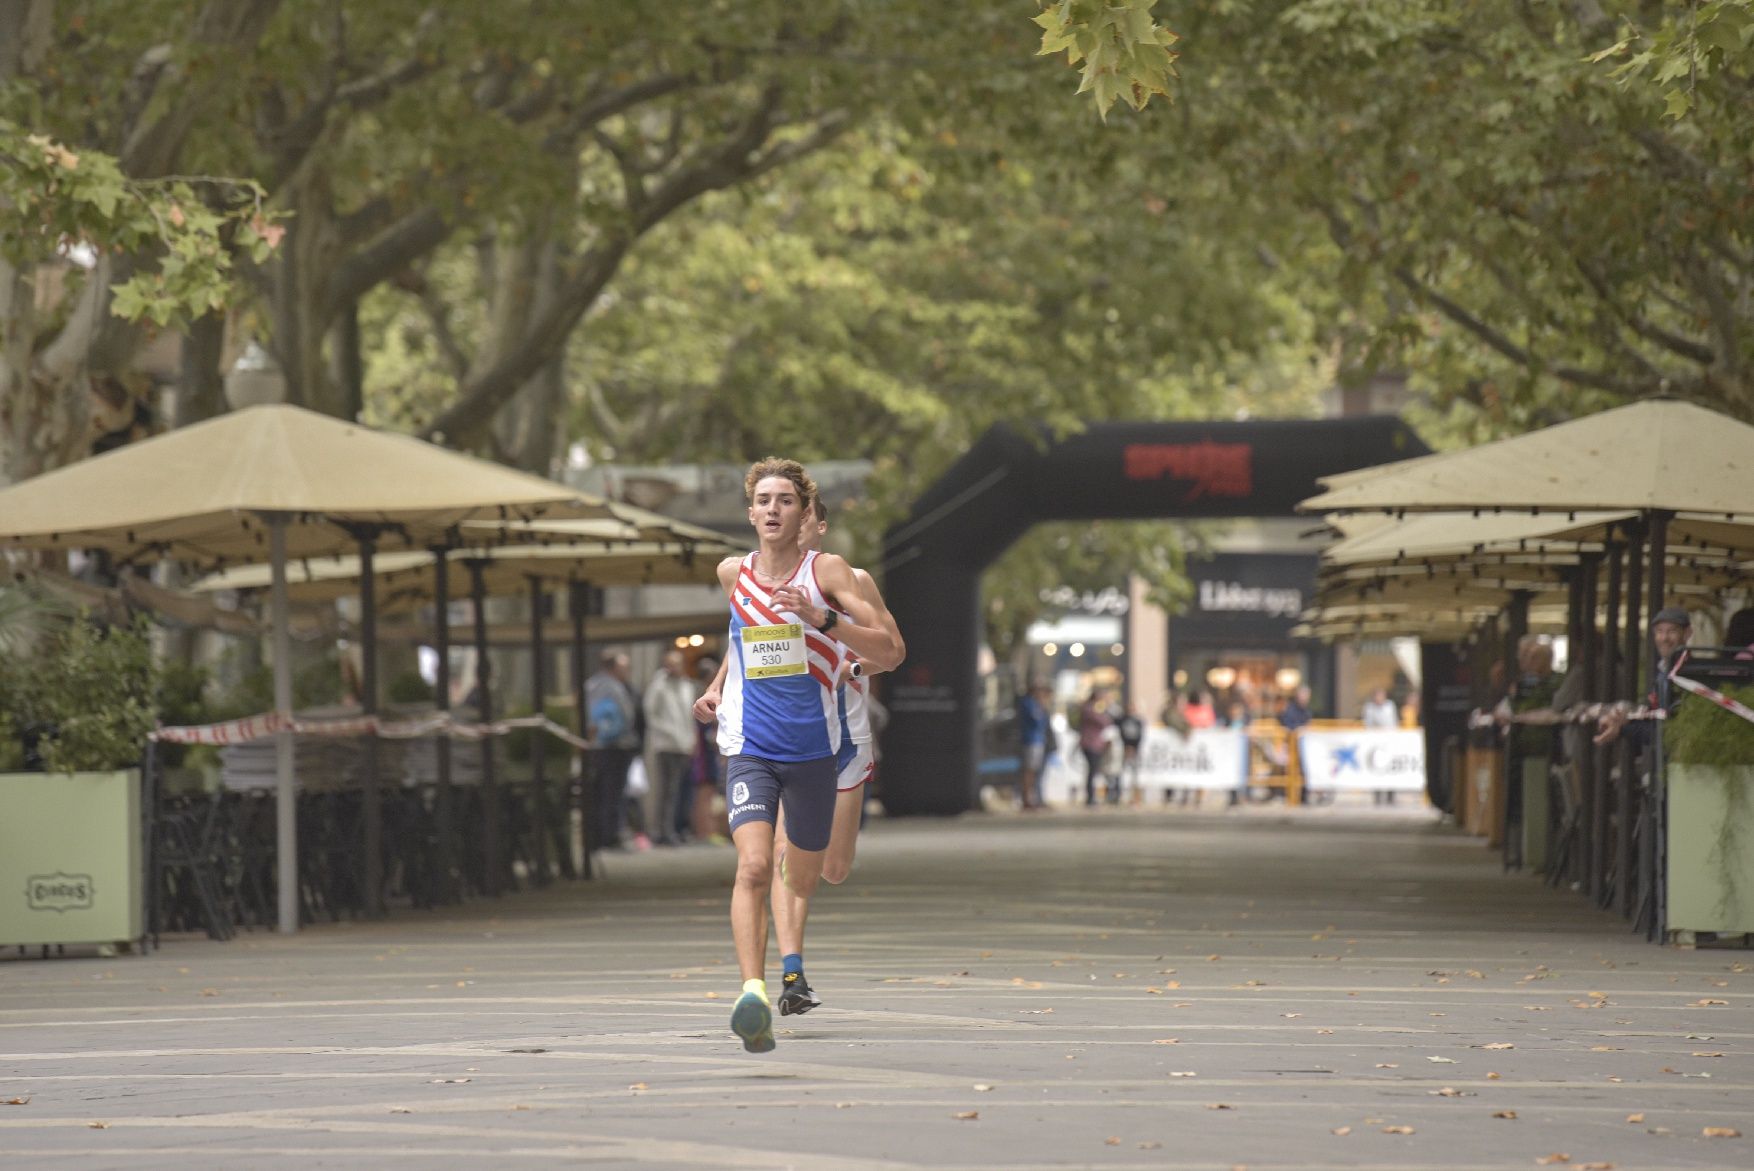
(1377, 760)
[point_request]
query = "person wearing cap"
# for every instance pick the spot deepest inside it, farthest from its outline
(1670, 628)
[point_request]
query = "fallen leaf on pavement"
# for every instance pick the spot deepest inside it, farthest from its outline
(1112, 1141)
(1184, 1073)
(1290, 1016)
(517, 1106)
(1442, 1060)
(400, 1110)
(982, 1088)
(715, 995)
(1397, 1130)
(967, 1115)
(639, 1086)
(1342, 1131)
(1219, 1106)
(1150, 1145)
(1167, 1041)
(1448, 1092)
(1491, 1077)
(1707, 1002)
(1708, 1055)
(1595, 1167)
(1604, 1048)
(1504, 1114)
(1212, 959)
(18, 1101)
(1721, 1132)
(1325, 1031)
(1556, 1157)
(210, 992)
(1498, 1045)
(1635, 1118)
(1388, 1065)
(447, 1081)
(97, 1125)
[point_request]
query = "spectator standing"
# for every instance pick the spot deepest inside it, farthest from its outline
(613, 708)
(1296, 714)
(1132, 733)
(707, 771)
(1093, 726)
(1380, 711)
(1199, 711)
(670, 736)
(1032, 736)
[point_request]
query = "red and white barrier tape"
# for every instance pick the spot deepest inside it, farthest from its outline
(1734, 706)
(269, 723)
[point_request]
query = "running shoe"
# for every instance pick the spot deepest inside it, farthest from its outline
(752, 1021)
(796, 998)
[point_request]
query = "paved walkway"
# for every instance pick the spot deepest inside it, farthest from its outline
(1118, 991)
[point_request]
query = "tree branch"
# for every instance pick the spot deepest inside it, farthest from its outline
(390, 251)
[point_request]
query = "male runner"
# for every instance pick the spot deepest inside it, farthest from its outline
(855, 765)
(779, 719)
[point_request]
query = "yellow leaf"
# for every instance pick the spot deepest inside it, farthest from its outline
(638, 1086)
(1504, 1114)
(98, 1125)
(1397, 1130)
(1499, 1045)
(18, 1101)
(1112, 1141)
(1167, 1041)
(967, 1115)
(1342, 1131)
(1706, 1002)
(1721, 1132)
(1635, 1118)
(1555, 1157)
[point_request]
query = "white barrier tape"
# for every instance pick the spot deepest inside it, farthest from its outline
(1548, 717)
(269, 723)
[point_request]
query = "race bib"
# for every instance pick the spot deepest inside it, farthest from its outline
(770, 651)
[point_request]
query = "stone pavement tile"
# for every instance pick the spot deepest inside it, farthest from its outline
(1124, 989)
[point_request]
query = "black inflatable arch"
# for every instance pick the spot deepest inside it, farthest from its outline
(932, 562)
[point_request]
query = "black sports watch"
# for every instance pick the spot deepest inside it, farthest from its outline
(830, 622)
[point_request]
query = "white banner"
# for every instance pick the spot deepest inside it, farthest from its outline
(1206, 758)
(1373, 760)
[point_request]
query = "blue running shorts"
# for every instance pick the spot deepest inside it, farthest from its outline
(755, 788)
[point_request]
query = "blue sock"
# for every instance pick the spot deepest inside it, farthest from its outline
(793, 962)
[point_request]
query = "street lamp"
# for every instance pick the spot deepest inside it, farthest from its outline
(255, 378)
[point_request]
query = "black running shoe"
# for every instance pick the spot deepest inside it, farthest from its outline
(795, 995)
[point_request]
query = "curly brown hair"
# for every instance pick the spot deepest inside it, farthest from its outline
(790, 469)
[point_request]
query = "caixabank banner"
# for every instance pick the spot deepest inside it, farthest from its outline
(1389, 760)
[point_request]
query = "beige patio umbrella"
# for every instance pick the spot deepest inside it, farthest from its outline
(262, 484)
(1658, 454)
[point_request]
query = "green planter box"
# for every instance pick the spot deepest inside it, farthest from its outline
(1711, 848)
(70, 858)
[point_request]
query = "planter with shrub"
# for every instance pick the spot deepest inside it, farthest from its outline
(75, 711)
(1710, 817)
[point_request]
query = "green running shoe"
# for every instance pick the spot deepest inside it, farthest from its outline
(752, 1021)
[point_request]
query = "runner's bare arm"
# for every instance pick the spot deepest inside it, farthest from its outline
(706, 708)
(865, 635)
(868, 590)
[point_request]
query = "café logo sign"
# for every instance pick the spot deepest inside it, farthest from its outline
(58, 892)
(1234, 596)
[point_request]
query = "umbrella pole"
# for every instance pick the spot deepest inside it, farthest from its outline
(1609, 688)
(444, 866)
(575, 604)
(538, 737)
(1656, 820)
(285, 797)
(371, 797)
(1589, 775)
(490, 846)
(1631, 659)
